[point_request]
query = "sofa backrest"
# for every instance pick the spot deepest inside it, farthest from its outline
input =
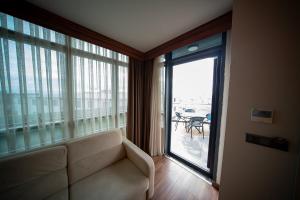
(93, 153)
(36, 175)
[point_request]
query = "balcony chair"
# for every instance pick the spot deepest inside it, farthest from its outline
(180, 119)
(197, 123)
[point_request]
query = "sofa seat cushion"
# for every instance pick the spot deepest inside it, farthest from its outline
(122, 180)
(60, 195)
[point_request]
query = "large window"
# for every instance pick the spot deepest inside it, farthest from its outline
(55, 87)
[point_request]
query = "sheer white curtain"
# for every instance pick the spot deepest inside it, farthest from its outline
(99, 88)
(157, 136)
(32, 86)
(54, 87)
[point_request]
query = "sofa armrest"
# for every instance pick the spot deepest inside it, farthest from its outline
(143, 161)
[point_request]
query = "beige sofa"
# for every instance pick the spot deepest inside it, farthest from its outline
(100, 166)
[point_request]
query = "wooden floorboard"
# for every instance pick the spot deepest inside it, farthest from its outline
(172, 181)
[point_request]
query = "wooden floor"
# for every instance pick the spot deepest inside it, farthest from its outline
(172, 181)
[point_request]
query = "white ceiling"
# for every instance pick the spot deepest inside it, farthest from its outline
(141, 24)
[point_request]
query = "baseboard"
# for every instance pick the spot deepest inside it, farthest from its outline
(215, 185)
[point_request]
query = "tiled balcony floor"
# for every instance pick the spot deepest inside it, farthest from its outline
(194, 149)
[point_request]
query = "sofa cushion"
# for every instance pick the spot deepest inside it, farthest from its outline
(93, 153)
(60, 195)
(35, 175)
(122, 180)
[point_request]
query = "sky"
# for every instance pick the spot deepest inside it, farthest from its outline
(193, 79)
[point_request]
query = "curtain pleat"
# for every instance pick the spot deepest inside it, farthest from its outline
(61, 92)
(147, 94)
(82, 89)
(76, 97)
(22, 84)
(36, 84)
(156, 142)
(139, 102)
(99, 102)
(123, 94)
(106, 100)
(6, 89)
(6, 97)
(135, 101)
(91, 89)
(114, 93)
(50, 119)
(145, 105)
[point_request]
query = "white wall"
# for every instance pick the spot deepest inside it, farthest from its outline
(264, 72)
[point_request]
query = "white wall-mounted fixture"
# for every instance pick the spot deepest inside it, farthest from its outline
(265, 116)
(193, 47)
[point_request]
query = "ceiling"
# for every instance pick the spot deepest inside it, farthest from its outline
(141, 24)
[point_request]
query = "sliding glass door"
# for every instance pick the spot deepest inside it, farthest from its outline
(193, 94)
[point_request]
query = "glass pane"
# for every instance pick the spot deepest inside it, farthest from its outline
(94, 49)
(33, 30)
(191, 110)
